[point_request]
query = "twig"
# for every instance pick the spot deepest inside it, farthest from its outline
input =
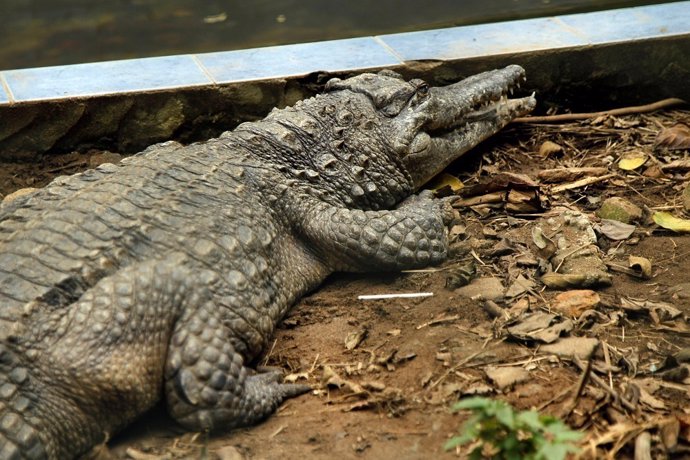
(456, 367)
(581, 183)
(565, 117)
(268, 355)
(277, 432)
(433, 322)
(604, 386)
(581, 384)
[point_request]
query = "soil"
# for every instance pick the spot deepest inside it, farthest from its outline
(386, 372)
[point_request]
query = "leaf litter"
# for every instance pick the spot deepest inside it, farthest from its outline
(542, 303)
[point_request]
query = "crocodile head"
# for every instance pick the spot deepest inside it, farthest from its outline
(429, 127)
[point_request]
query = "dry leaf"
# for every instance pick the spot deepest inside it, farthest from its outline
(575, 302)
(632, 160)
(540, 327)
(353, 339)
(569, 347)
(615, 230)
(674, 138)
(506, 377)
(671, 222)
(549, 148)
(545, 246)
(642, 265)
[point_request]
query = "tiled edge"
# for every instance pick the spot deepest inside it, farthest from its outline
(631, 23)
(543, 33)
(172, 72)
(295, 60)
(100, 78)
(5, 94)
(482, 40)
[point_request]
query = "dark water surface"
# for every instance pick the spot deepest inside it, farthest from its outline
(37, 33)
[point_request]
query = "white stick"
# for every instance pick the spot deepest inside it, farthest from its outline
(395, 296)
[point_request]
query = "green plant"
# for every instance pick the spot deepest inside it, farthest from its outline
(498, 431)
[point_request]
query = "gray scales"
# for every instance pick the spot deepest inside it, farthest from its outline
(171, 270)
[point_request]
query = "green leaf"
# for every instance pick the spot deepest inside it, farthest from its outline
(454, 442)
(551, 451)
(531, 419)
(506, 416)
(472, 403)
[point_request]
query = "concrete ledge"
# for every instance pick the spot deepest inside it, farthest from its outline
(633, 54)
(171, 72)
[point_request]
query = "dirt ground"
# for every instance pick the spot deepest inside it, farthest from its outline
(385, 372)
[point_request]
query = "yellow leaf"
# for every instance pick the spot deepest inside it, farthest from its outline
(671, 222)
(632, 160)
(446, 180)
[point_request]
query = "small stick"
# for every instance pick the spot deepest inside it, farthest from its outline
(604, 386)
(438, 321)
(395, 296)
(581, 183)
(581, 384)
(563, 174)
(455, 368)
(565, 117)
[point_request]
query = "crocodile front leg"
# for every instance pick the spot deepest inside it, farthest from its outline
(411, 236)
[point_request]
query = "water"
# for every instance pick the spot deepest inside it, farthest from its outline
(51, 32)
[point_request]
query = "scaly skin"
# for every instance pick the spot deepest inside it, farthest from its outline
(171, 270)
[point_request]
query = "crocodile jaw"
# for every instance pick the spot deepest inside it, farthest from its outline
(455, 118)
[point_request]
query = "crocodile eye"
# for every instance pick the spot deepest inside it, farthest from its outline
(423, 89)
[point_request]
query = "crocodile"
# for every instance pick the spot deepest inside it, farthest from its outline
(164, 276)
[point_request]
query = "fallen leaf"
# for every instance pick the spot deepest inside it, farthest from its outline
(549, 148)
(632, 160)
(446, 182)
(520, 286)
(540, 326)
(487, 288)
(671, 222)
(546, 248)
(615, 230)
(573, 303)
(353, 339)
(642, 265)
(676, 137)
(506, 377)
(659, 311)
(571, 347)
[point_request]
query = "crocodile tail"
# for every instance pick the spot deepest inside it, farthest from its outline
(19, 438)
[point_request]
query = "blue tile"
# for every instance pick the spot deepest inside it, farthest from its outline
(105, 78)
(632, 23)
(300, 59)
(4, 97)
(483, 40)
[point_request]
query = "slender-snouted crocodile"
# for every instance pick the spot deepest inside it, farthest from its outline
(166, 274)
